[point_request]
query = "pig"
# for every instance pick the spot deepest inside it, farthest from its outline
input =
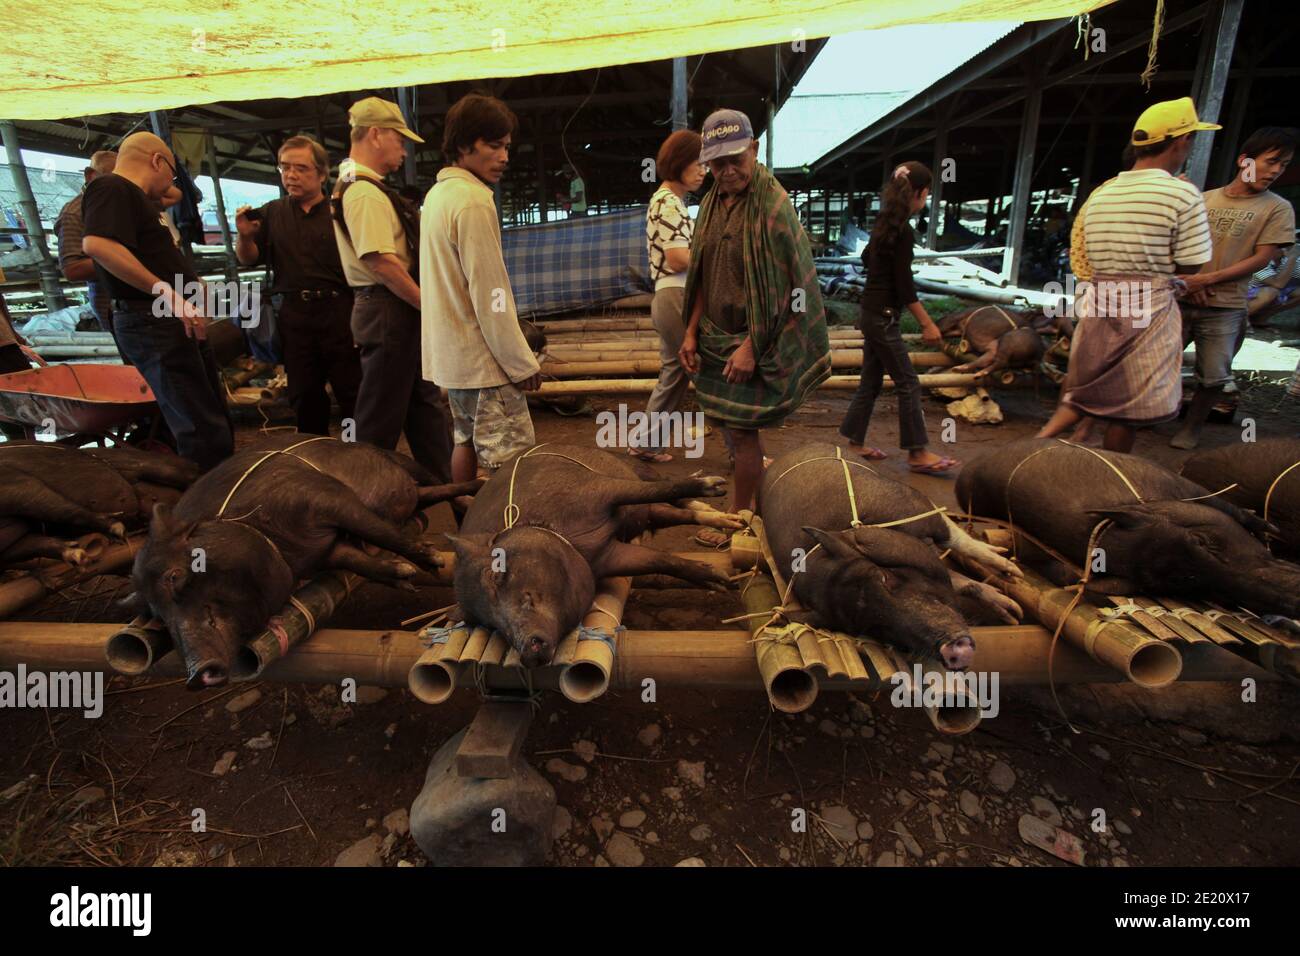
(578, 509)
(1002, 338)
(885, 583)
(47, 487)
(303, 510)
(1162, 545)
(1254, 467)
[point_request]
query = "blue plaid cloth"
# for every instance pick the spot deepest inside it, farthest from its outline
(576, 263)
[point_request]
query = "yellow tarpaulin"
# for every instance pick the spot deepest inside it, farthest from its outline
(104, 56)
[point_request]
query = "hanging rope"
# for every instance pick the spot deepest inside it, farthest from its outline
(1158, 25)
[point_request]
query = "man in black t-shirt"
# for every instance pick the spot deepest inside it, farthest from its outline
(158, 329)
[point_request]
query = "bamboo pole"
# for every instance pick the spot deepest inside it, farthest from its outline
(622, 386)
(791, 687)
(642, 362)
(586, 665)
(30, 588)
(718, 659)
(137, 646)
(314, 601)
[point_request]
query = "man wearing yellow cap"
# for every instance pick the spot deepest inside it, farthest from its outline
(378, 235)
(1140, 230)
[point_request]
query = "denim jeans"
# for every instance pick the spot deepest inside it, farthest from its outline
(883, 350)
(1218, 334)
(185, 380)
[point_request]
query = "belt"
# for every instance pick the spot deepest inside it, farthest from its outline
(132, 305)
(311, 295)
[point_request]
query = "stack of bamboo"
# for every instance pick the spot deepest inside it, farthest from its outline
(619, 355)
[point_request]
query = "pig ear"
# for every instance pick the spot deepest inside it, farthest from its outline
(1127, 517)
(161, 525)
(833, 544)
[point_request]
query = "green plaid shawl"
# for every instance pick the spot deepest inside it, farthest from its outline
(787, 319)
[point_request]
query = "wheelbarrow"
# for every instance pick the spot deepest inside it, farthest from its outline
(79, 403)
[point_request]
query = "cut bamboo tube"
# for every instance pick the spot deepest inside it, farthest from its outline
(961, 716)
(790, 688)
(1142, 659)
(586, 665)
(744, 552)
(716, 660)
(311, 604)
(137, 646)
(434, 677)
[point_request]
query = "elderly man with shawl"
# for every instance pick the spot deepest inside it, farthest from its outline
(756, 337)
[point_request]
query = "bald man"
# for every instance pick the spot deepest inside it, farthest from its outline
(76, 265)
(157, 329)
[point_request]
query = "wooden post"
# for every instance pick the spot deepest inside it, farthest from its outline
(771, 104)
(232, 267)
(1209, 101)
(678, 100)
(542, 198)
(1225, 168)
(936, 188)
(1085, 171)
(1024, 172)
(406, 100)
(47, 267)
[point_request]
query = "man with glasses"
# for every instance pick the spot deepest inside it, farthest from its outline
(158, 330)
(313, 303)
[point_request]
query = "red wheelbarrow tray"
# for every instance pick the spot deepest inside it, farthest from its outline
(83, 399)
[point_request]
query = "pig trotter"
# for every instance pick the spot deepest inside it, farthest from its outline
(433, 494)
(629, 559)
(385, 570)
(648, 492)
(1002, 605)
(978, 551)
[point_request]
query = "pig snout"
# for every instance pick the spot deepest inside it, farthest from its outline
(536, 650)
(208, 673)
(959, 654)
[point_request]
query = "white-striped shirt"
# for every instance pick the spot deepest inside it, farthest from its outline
(1144, 222)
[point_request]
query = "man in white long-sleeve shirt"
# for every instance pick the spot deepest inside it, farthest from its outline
(472, 343)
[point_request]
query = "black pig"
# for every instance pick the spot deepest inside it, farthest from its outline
(578, 509)
(1163, 544)
(886, 583)
(296, 514)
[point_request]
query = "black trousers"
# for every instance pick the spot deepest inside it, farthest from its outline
(316, 340)
(883, 350)
(394, 397)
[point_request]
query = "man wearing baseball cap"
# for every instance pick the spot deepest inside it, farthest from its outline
(1140, 229)
(756, 338)
(378, 235)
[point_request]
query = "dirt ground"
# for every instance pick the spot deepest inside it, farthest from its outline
(1186, 777)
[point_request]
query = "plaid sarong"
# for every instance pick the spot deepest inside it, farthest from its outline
(787, 320)
(1126, 356)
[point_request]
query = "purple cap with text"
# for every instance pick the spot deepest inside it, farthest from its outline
(725, 133)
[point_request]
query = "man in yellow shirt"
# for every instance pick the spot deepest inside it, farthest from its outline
(377, 231)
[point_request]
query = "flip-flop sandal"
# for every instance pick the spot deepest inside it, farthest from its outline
(935, 467)
(659, 458)
(870, 453)
(711, 538)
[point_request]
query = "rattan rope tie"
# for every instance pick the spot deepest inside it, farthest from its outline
(1268, 496)
(269, 455)
(855, 521)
